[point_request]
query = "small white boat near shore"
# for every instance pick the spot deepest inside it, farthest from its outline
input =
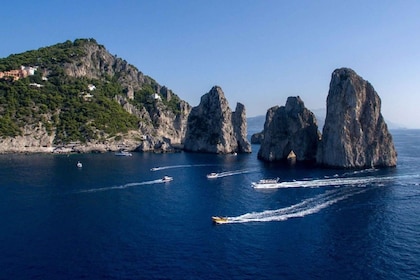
(123, 153)
(79, 164)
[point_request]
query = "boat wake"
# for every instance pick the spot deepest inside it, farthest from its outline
(125, 186)
(345, 188)
(232, 173)
(179, 166)
(302, 209)
(327, 182)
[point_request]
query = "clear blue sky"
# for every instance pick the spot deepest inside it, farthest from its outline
(259, 52)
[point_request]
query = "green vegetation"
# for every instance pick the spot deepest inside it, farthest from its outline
(48, 57)
(64, 104)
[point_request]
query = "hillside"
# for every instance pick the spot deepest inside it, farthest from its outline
(78, 94)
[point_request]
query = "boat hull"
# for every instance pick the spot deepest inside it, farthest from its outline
(212, 175)
(266, 184)
(166, 179)
(219, 220)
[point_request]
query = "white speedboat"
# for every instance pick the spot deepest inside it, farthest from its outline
(212, 175)
(123, 153)
(79, 164)
(266, 183)
(167, 179)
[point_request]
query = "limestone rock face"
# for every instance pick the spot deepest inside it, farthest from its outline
(257, 138)
(162, 114)
(355, 134)
(289, 128)
(159, 124)
(240, 128)
(213, 128)
(34, 139)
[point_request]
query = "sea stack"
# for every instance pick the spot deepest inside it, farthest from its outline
(213, 128)
(355, 134)
(289, 130)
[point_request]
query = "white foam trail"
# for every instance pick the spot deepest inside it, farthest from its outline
(234, 172)
(362, 171)
(121, 186)
(179, 166)
(326, 182)
(302, 209)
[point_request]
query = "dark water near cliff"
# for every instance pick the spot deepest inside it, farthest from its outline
(111, 219)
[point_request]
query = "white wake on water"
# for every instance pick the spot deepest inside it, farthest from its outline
(327, 182)
(346, 187)
(234, 172)
(179, 166)
(158, 181)
(302, 209)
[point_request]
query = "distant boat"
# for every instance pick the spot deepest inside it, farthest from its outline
(212, 175)
(79, 164)
(123, 153)
(154, 168)
(219, 220)
(266, 183)
(167, 179)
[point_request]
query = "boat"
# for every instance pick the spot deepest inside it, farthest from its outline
(154, 168)
(219, 220)
(167, 179)
(212, 175)
(79, 164)
(266, 183)
(123, 153)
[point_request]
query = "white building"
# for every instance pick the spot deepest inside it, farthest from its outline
(156, 96)
(91, 87)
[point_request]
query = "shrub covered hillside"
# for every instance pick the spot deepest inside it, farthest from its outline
(79, 92)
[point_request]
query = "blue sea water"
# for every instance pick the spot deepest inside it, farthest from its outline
(113, 219)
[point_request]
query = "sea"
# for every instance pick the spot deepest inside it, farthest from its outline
(115, 219)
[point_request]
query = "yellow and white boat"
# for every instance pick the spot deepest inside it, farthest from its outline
(219, 220)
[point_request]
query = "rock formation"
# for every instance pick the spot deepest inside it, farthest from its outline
(289, 128)
(161, 115)
(168, 127)
(257, 138)
(355, 134)
(213, 128)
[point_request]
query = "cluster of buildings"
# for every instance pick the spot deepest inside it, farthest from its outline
(17, 74)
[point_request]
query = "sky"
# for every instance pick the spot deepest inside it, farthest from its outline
(258, 52)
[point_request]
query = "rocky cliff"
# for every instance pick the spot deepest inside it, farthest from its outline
(95, 99)
(257, 138)
(355, 134)
(289, 128)
(168, 126)
(213, 128)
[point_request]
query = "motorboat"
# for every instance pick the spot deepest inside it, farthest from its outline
(212, 175)
(266, 183)
(123, 153)
(167, 179)
(219, 220)
(154, 168)
(79, 164)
